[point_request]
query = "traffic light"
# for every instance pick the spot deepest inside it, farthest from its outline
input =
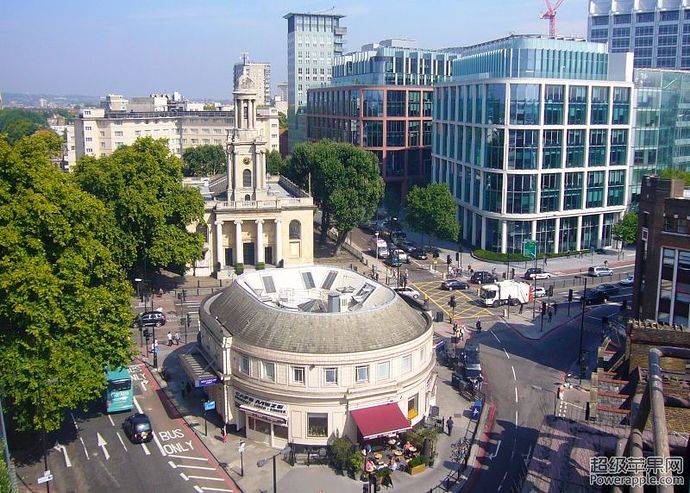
(543, 308)
(448, 259)
(570, 295)
(146, 333)
(457, 256)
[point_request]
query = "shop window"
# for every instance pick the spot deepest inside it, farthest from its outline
(260, 426)
(280, 432)
(317, 425)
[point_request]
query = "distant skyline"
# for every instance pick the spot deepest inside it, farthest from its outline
(136, 48)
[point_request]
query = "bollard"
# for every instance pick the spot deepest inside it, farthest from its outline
(505, 313)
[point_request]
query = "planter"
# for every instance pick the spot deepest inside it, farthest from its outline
(417, 469)
(239, 268)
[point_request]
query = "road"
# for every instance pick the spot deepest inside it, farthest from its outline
(92, 453)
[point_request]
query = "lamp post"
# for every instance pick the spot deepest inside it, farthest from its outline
(140, 294)
(262, 463)
(376, 247)
(583, 301)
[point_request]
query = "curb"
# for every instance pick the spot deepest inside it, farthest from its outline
(546, 334)
(488, 426)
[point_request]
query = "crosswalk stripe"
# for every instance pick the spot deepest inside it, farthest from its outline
(188, 457)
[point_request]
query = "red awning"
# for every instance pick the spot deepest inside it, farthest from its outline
(378, 421)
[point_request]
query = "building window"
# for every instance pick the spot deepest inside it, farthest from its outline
(550, 192)
(330, 376)
(412, 407)
(552, 153)
(395, 105)
(522, 149)
(298, 374)
(521, 194)
(619, 147)
(317, 425)
(406, 363)
(524, 104)
(600, 106)
(621, 105)
(244, 364)
(553, 105)
(373, 133)
(295, 230)
(577, 105)
(597, 147)
(383, 371)
(362, 374)
(493, 152)
(268, 371)
(572, 197)
(493, 192)
(495, 104)
(616, 191)
(595, 189)
(575, 155)
(246, 178)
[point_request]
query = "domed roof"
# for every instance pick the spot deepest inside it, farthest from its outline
(272, 310)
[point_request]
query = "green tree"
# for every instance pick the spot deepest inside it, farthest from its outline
(431, 210)
(274, 162)
(282, 120)
(344, 180)
(141, 185)
(670, 173)
(64, 300)
(626, 228)
(5, 479)
(209, 107)
(204, 160)
(17, 123)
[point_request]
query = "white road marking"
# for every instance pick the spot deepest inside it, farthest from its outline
(183, 476)
(63, 449)
(516, 395)
(158, 444)
(143, 386)
(74, 422)
(102, 443)
(172, 464)
(198, 488)
(206, 478)
(492, 333)
(498, 447)
(208, 488)
(111, 420)
(514, 377)
(516, 422)
(121, 441)
(146, 449)
(507, 355)
(136, 404)
(86, 452)
(204, 468)
(188, 457)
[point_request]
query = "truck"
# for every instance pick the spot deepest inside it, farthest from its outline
(378, 247)
(504, 292)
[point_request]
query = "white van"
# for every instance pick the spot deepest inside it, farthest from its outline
(378, 245)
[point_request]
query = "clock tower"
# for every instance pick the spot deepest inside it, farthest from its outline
(246, 148)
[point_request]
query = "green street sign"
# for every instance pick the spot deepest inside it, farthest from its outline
(529, 248)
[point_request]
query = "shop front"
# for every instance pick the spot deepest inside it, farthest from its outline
(264, 421)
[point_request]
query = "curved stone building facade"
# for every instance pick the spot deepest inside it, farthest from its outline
(299, 351)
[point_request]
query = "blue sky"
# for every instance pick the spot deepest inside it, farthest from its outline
(135, 47)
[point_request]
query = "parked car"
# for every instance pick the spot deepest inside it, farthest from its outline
(407, 291)
(419, 254)
(401, 254)
(627, 281)
(138, 429)
(472, 365)
(392, 261)
(150, 318)
(453, 284)
(608, 289)
(594, 297)
(600, 271)
(433, 251)
(536, 273)
(539, 292)
(406, 245)
(483, 277)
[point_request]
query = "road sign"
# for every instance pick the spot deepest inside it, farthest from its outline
(529, 248)
(47, 476)
(209, 405)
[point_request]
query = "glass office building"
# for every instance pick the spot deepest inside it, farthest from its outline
(662, 124)
(533, 136)
(657, 31)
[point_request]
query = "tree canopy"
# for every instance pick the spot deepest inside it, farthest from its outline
(670, 173)
(345, 182)
(274, 163)
(141, 185)
(282, 120)
(431, 210)
(626, 228)
(16, 123)
(64, 300)
(204, 160)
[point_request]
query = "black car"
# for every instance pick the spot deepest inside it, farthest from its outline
(452, 284)
(406, 246)
(418, 253)
(150, 318)
(594, 297)
(393, 261)
(435, 252)
(608, 289)
(483, 277)
(138, 429)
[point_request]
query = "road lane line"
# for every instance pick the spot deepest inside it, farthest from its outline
(208, 488)
(172, 464)
(146, 449)
(203, 468)
(514, 377)
(121, 441)
(507, 355)
(111, 420)
(136, 404)
(516, 422)
(516, 395)
(74, 422)
(207, 478)
(198, 488)
(499, 341)
(183, 476)
(158, 444)
(188, 457)
(86, 452)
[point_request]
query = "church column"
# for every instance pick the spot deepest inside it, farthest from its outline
(279, 242)
(252, 116)
(260, 257)
(220, 253)
(239, 252)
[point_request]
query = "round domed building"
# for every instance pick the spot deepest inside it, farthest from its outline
(308, 353)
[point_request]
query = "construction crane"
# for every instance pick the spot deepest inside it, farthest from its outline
(550, 14)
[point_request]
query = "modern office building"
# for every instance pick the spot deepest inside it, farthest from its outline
(304, 354)
(380, 98)
(313, 41)
(533, 138)
(662, 133)
(657, 31)
(259, 72)
(661, 291)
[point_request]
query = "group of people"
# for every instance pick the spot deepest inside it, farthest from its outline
(173, 338)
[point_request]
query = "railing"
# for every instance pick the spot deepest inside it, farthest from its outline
(277, 203)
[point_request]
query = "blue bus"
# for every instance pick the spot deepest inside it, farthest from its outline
(119, 395)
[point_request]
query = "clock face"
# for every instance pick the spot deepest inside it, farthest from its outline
(246, 160)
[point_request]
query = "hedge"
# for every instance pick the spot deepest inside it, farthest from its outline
(239, 268)
(260, 265)
(517, 257)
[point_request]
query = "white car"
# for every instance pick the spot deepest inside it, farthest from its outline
(627, 281)
(412, 293)
(401, 254)
(539, 292)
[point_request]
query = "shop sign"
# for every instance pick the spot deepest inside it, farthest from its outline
(255, 402)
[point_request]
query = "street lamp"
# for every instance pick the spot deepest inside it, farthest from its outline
(583, 300)
(262, 463)
(140, 293)
(376, 247)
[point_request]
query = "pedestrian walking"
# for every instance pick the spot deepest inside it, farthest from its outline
(462, 333)
(449, 424)
(177, 338)
(478, 325)
(522, 307)
(546, 260)
(555, 308)
(170, 338)
(550, 312)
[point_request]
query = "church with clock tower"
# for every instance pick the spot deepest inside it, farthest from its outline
(252, 219)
